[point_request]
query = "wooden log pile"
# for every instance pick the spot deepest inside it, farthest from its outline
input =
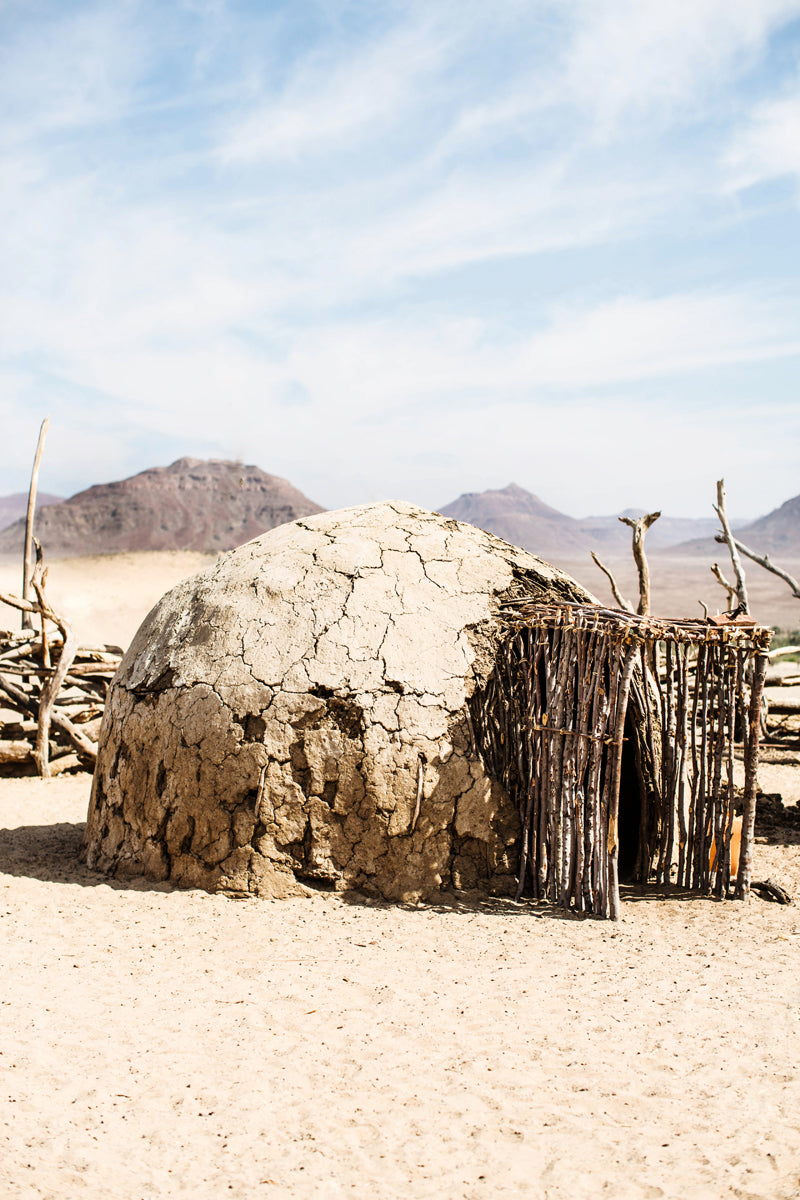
(52, 691)
(571, 683)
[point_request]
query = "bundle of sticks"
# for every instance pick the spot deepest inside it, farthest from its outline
(52, 691)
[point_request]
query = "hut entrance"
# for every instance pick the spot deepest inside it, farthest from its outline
(614, 734)
(632, 800)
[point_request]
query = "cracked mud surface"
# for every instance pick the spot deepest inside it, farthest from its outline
(295, 716)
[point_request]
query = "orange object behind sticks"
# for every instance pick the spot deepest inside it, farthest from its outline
(736, 845)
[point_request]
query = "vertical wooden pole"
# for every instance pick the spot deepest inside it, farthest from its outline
(682, 653)
(750, 777)
(613, 802)
(27, 573)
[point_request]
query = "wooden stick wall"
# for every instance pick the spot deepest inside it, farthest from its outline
(572, 685)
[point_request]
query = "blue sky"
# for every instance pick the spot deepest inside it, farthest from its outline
(407, 249)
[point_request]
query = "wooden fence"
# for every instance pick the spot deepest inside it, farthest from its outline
(573, 684)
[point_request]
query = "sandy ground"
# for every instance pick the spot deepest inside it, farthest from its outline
(106, 597)
(160, 1043)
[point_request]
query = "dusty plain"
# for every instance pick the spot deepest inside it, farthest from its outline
(158, 1043)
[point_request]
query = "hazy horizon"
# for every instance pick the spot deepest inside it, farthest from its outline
(629, 510)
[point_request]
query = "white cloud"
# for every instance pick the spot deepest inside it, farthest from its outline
(473, 217)
(377, 366)
(768, 147)
(364, 372)
(645, 58)
(74, 69)
(629, 338)
(332, 101)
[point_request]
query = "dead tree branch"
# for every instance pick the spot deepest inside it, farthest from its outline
(781, 650)
(719, 509)
(618, 596)
(53, 683)
(723, 582)
(640, 526)
(27, 623)
(763, 560)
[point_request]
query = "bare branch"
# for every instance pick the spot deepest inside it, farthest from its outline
(29, 704)
(781, 650)
(723, 582)
(26, 563)
(53, 684)
(764, 561)
(620, 599)
(719, 509)
(640, 526)
(17, 602)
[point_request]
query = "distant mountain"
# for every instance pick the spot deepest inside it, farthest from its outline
(522, 518)
(191, 505)
(776, 534)
(16, 506)
(667, 531)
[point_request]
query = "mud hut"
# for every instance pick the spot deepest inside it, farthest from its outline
(298, 714)
(388, 700)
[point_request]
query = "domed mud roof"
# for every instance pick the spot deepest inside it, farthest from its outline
(296, 715)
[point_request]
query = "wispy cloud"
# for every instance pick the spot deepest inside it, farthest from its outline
(68, 72)
(768, 147)
(333, 100)
(641, 59)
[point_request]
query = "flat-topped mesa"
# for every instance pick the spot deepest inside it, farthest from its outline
(298, 714)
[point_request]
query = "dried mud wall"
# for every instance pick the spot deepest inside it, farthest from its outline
(296, 716)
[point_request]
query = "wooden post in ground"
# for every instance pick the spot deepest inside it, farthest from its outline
(751, 777)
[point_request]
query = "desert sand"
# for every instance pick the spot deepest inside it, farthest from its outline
(160, 1043)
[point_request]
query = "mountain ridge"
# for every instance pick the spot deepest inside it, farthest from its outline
(215, 504)
(15, 506)
(777, 533)
(524, 519)
(192, 504)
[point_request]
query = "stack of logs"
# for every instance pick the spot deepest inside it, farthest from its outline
(52, 692)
